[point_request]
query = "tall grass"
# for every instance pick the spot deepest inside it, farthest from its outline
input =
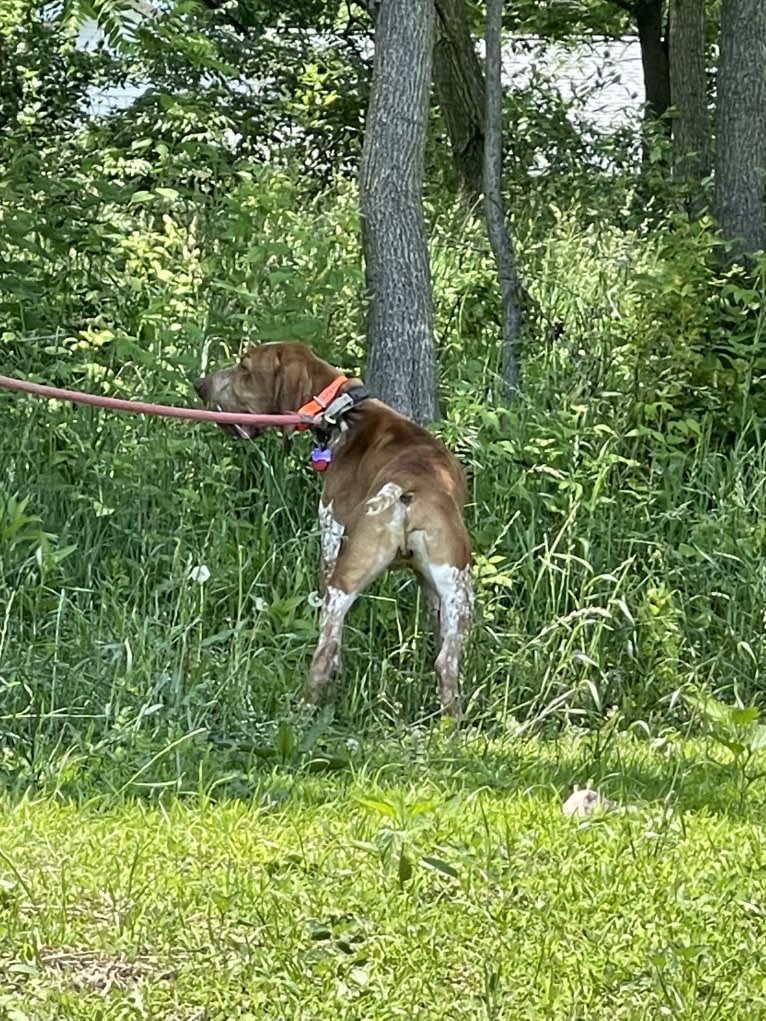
(616, 558)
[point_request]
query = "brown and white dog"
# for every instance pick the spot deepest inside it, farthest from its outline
(392, 493)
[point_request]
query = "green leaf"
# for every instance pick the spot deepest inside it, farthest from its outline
(365, 845)
(219, 638)
(327, 763)
(22, 968)
(709, 707)
(420, 807)
(438, 865)
(380, 806)
(285, 741)
(743, 715)
(737, 748)
(405, 868)
(317, 730)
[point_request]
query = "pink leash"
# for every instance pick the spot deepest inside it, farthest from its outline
(167, 411)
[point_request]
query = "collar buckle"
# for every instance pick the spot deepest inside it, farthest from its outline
(319, 403)
(342, 403)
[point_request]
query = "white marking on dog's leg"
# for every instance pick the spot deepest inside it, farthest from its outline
(385, 497)
(326, 659)
(454, 587)
(331, 538)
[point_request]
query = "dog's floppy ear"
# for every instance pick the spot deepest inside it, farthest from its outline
(292, 386)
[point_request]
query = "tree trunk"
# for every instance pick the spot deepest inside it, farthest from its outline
(688, 93)
(502, 245)
(654, 57)
(401, 367)
(741, 143)
(460, 91)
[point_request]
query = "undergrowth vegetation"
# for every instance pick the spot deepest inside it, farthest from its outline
(157, 576)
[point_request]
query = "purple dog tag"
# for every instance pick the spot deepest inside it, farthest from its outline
(320, 459)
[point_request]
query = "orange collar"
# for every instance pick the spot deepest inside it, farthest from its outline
(322, 400)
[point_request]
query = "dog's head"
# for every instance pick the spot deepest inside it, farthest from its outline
(270, 379)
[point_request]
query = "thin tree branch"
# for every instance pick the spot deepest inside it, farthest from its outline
(499, 237)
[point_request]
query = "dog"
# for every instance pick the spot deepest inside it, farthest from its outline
(392, 494)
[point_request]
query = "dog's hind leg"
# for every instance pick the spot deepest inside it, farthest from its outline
(442, 556)
(455, 589)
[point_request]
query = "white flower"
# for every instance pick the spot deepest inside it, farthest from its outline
(200, 574)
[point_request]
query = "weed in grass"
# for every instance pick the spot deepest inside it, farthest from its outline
(738, 729)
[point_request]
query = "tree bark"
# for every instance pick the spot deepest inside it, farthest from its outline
(691, 122)
(499, 237)
(401, 367)
(654, 56)
(460, 90)
(741, 142)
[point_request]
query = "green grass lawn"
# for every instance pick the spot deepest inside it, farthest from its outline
(436, 877)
